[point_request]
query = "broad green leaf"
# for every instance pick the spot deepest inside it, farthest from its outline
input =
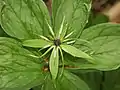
(54, 62)
(106, 51)
(105, 29)
(24, 19)
(72, 82)
(78, 64)
(68, 81)
(75, 13)
(18, 70)
(105, 39)
(36, 43)
(76, 52)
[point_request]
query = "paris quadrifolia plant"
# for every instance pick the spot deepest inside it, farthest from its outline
(44, 50)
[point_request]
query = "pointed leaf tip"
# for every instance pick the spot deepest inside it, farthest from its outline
(76, 52)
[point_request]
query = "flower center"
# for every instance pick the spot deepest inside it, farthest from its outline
(57, 42)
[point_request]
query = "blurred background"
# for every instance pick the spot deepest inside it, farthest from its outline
(109, 8)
